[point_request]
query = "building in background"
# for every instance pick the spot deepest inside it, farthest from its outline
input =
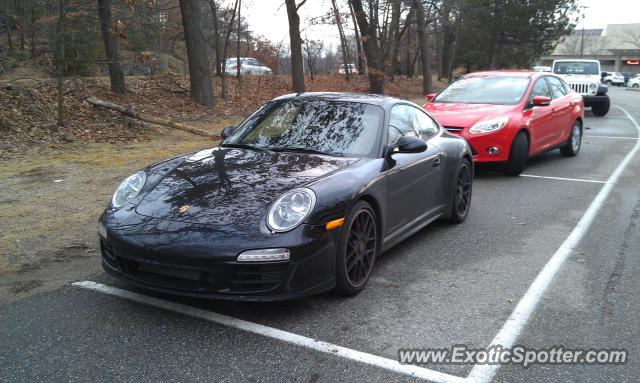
(617, 47)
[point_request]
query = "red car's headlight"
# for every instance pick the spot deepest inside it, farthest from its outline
(489, 125)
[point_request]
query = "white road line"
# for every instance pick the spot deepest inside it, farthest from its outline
(563, 178)
(614, 137)
(625, 117)
(510, 331)
(270, 332)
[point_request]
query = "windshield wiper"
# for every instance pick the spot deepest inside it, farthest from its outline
(305, 150)
(243, 146)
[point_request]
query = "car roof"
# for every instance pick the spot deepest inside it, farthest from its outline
(375, 99)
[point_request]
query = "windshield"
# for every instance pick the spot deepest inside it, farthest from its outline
(338, 128)
(576, 67)
(499, 90)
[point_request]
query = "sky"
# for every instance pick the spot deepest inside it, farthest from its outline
(269, 17)
(599, 13)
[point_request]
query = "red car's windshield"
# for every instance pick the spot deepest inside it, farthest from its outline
(499, 90)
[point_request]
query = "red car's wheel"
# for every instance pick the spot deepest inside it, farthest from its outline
(518, 155)
(572, 147)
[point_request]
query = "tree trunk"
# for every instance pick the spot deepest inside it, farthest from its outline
(32, 31)
(394, 38)
(199, 74)
(368, 31)
(296, 45)
(238, 62)
(111, 46)
(343, 40)
(216, 37)
(61, 15)
(225, 47)
(356, 31)
(423, 38)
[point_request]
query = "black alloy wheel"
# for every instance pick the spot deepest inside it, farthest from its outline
(462, 193)
(358, 250)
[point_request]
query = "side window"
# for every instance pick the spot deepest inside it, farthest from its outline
(540, 88)
(557, 89)
(427, 127)
(401, 123)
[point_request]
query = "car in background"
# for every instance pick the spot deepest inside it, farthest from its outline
(542, 69)
(351, 68)
(300, 198)
(509, 116)
(628, 76)
(613, 78)
(583, 76)
(634, 82)
(248, 66)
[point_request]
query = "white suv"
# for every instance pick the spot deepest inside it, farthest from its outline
(613, 78)
(248, 65)
(583, 76)
(634, 82)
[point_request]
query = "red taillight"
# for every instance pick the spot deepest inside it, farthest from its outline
(235, 67)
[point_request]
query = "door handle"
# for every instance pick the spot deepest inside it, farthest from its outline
(436, 161)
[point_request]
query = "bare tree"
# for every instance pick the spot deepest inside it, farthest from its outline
(368, 34)
(423, 37)
(216, 36)
(199, 74)
(225, 47)
(343, 40)
(296, 44)
(356, 32)
(313, 49)
(116, 76)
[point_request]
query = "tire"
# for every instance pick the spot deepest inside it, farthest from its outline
(602, 108)
(609, 83)
(462, 193)
(518, 155)
(635, 86)
(572, 147)
(356, 253)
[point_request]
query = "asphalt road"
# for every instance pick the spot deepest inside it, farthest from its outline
(446, 285)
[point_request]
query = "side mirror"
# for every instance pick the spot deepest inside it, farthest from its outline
(541, 101)
(410, 144)
(226, 132)
(431, 96)
(603, 74)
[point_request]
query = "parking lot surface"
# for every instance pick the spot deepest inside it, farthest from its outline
(446, 285)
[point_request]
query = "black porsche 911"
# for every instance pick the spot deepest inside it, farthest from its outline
(298, 199)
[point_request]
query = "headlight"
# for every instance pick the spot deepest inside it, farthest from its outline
(128, 189)
(593, 85)
(291, 209)
(489, 125)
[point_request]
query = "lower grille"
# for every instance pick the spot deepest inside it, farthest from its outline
(220, 277)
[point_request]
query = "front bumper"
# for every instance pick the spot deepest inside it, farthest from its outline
(488, 147)
(188, 267)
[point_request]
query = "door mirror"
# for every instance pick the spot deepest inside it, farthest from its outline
(603, 74)
(541, 101)
(410, 144)
(226, 132)
(431, 96)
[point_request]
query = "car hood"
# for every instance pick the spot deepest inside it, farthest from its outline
(221, 186)
(580, 78)
(460, 115)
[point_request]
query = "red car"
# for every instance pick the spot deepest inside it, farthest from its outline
(508, 116)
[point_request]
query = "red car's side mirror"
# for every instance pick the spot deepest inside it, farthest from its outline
(541, 101)
(431, 96)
